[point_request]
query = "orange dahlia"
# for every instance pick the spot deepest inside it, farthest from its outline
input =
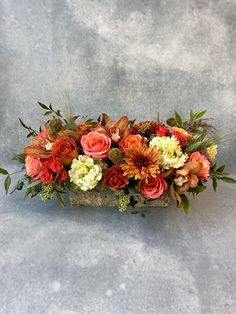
(141, 162)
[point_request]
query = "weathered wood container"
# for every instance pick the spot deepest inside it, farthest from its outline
(108, 198)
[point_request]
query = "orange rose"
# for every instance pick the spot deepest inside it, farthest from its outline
(204, 173)
(130, 139)
(181, 135)
(114, 178)
(64, 148)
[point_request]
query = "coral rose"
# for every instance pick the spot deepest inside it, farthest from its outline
(181, 135)
(153, 187)
(130, 139)
(114, 178)
(46, 176)
(64, 148)
(62, 176)
(204, 173)
(46, 163)
(96, 145)
(33, 166)
(56, 166)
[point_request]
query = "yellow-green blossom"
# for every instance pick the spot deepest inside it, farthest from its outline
(170, 151)
(85, 172)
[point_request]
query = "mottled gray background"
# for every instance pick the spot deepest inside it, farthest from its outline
(121, 57)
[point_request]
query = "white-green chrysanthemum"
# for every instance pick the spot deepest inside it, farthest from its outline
(85, 172)
(170, 151)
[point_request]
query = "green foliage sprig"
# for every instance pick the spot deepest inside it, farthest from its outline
(49, 110)
(31, 132)
(219, 174)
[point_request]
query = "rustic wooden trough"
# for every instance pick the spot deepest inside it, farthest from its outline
(108, 198)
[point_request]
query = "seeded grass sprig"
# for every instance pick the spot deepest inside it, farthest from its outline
(200, 141)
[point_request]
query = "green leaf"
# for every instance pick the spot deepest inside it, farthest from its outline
(178, 119)
(143, 215)
(227, 179)
(3, 171)
(198, 132)
(23, 124)
(134, 212)
(184, 203)
(221, 168)
(214, 184)
(31, 185)
(76, 117)
(19, 157)
(19, 186)
(131, 122)
(43, 106)
(27, 193)
(47, 113)
(60, 198)
(192, 115)
(213, 168)
(133, 201)
(69, 126)
(7, 183)
(195, 144)
(58, 113)
(30, 134)
(200, 114)
(198, 189)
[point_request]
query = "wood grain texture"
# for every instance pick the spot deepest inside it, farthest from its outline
(108, 199)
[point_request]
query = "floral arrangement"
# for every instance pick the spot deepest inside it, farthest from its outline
(133, 159)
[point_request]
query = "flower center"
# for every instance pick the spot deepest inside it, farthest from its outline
(142, 162)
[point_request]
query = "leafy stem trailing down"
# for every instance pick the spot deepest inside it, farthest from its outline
(32, 188)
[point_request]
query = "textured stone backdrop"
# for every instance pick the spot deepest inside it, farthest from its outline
(136, 57)
(128, 56)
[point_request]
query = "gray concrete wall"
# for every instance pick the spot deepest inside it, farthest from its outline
(136, 57)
